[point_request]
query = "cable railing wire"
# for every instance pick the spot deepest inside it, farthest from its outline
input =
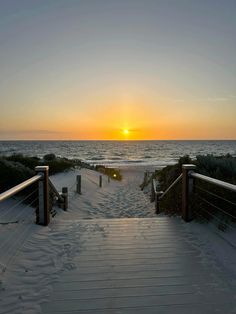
(211, 214)
(11, 252)
(11, 236)
(216, 207)
(209, 221)
(21, 212)
(17, 204)
(72, 186)
(26, 206)
(92, 181)
(215, 195)
(216, 218)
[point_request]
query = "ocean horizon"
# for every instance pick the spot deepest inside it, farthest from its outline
(120, 153)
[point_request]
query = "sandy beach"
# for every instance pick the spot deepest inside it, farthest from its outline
(116, 199)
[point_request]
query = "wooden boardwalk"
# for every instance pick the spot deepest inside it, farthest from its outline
(150, 265)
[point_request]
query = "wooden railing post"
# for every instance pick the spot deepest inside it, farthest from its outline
(187, 188)
(152, 197)
(64, 194)
(157, 201)
(78, 184)
(100, 181)
(43, 193)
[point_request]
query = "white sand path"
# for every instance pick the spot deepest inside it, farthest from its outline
(114, 200)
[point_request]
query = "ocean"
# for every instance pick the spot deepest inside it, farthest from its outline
(120, 153)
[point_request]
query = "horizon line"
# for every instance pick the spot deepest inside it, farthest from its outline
(111, 140)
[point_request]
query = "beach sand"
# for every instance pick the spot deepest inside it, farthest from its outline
(116, 199)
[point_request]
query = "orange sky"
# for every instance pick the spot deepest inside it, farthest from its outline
(90, 69)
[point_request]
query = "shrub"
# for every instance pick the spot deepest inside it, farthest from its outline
(13, 173)
(50, 157)
(55, 164)
(59, 165)
(29, 162)
(111, 172)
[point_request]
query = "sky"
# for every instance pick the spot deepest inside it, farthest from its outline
(108, 69)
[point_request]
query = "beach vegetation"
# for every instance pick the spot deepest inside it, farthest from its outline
(110, 172)
(27, 161)
(12, 173)
(49, 157)
(17, 168)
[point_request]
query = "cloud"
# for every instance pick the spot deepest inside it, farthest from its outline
(20, 132)
(30, 134)
(206, 99)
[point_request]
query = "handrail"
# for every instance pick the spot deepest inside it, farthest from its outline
(217, 182)
(5, 195)
(60, 198)
(158, 195)
(171, 186)
(43, 196)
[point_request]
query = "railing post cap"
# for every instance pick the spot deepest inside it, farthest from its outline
(188, 166)
(41, 168)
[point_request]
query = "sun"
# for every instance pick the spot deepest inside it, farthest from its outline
(125, 131)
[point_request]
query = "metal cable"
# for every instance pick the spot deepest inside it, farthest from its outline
(21, 239)
(70, 188)
(213, 194)
(215, 206)
(92, 181)
(215, 217)
(28, 205)
(20, 213)
(209, 221)
(15, 205)
(16, 230)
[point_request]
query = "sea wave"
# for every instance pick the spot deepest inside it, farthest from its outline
(118, 153)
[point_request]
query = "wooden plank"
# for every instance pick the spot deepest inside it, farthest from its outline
(123, 302)
(130, 267)
(109, 249)
(135, 275)
(160, 309)
(149, 261)
(134, 282)
(124, 292)
(98, 257)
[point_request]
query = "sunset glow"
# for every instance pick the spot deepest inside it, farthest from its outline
(115, 70)
(126, 131)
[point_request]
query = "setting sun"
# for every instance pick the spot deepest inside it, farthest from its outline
(125, 131)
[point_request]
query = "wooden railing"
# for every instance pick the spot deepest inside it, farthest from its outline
(11, 192)
(45, 186)
(189, 178)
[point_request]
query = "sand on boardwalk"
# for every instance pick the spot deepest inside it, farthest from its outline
(33, 257)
